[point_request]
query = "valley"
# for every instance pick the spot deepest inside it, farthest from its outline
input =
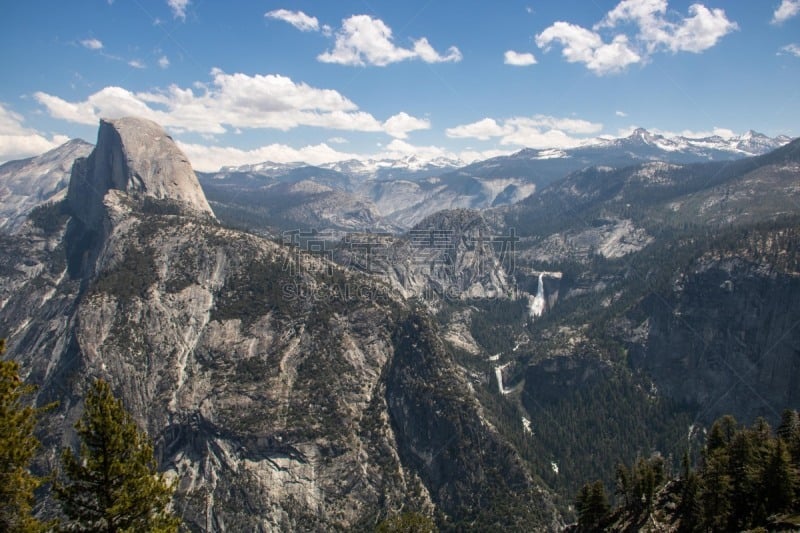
(318, 347)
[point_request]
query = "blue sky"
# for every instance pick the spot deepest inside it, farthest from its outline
(313, 80)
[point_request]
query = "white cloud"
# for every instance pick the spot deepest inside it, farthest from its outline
(654, 32)
(211, 158)
(178, 8)
(725, 133)
(621, 113)
(585, 46)
(482, 130)
(701, 31)
(400, 124)
(539, 131)
(338, 140)
(398, 149)
(364, 40)
(17, 141)
(135, 63)
(787, 10)
(793, 49)
(232, 101)
(163, 62)
(424, 50)
(207, 158)
(92, 44)
(518, 59)
(298, 19)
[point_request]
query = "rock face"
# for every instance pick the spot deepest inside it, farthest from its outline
(279, 388)
(28, 183)
(138, 157)
(726, 338)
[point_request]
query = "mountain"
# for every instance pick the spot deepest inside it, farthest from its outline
(407, 168)
(676, 305)
(542, 167)
(478, 367)
(283, 391)
(398, 194)
(27, 183)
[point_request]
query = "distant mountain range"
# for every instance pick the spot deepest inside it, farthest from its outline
(382, 194)
(387, 194)
(640, 145)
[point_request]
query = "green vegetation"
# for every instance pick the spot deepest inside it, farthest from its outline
(592, 506)
(112, 484)
(17, 448)
(50, 217)
(746, 479)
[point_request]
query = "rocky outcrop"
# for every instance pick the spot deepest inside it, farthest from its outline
(135, 156)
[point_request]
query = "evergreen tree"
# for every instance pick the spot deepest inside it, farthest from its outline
(17, 448)
(690, 508)
(717, 487)
(779, 480)
(789, 432)
(592, 506)
(112, 485)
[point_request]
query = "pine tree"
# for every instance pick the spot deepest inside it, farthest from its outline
(592, 506)
(780, 480)
(690, 508)
(716, 495)
(17, 448)
(112, 485)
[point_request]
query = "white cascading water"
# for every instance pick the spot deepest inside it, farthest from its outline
(538, 302)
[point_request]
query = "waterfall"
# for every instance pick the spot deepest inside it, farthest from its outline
(538, 302)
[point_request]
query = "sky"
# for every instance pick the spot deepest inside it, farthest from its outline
(318, 81)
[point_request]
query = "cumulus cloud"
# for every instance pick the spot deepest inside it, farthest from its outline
(363, 40)
(621, 113)
(695, 33)
(585, 46)
(400, 124)
(793, 49)
(232, 101)
(136, 63)
(653, 32)
(785, 11)
(92, 44)
(17, 141)
(539, 131)
(178, 8)
(211, 158)
(163, 62)
(207, 158)
(482, 130)
(518, 59)
(298, 19)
